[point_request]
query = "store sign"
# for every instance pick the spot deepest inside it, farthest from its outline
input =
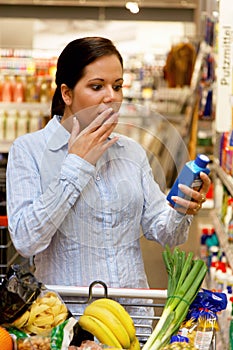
(224, 96)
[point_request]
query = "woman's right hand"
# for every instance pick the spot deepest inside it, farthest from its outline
(93, 141)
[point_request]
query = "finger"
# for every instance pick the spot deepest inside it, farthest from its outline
(202, 198)
(189, 211)
(193, 195)
(185, 203)
(107, 127)
(110, 123)
(188, 192)
(108, 144)
(206, 183)
(113, 118)
(186, 207)
(100, 119)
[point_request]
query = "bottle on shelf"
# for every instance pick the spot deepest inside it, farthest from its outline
(229, 155)
(7, 90)
(213, 266)
(31, 90)
(22, 123)
(18, 90)
(203, 246)
(231, 326)
(2, 124)
(34, 121)
(230, 223)
(1, 87)
(10, 130)
(223, 148)
(44, 96)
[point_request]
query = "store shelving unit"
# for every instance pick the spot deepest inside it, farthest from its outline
(39, 113)
(227, 181)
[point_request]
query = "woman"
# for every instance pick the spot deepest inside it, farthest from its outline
(72, 201)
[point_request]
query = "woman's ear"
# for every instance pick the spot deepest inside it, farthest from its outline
(66, 93)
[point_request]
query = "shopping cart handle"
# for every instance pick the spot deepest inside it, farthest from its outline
(98, 291)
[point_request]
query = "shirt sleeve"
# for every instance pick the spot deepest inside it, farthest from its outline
(161, 222)
(34, 216)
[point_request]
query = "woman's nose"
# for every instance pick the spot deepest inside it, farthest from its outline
(109, 95)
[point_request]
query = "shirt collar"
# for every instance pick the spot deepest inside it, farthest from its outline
(58, 136)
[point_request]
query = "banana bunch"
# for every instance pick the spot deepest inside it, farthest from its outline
(45, 313)
(110, 323)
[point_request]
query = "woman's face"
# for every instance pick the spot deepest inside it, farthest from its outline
(100, 87)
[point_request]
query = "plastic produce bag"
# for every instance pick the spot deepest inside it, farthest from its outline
(17, 292)
(28, 305)
(59, 339)
(45, 313)
(202, 321)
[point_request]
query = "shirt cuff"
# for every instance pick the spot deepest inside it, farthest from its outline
(77, 171)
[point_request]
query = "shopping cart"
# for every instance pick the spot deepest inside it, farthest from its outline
(72, 295)
(8, 254)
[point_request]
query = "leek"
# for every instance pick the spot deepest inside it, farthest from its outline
(185, 277)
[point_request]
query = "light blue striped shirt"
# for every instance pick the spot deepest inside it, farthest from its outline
(82, 222)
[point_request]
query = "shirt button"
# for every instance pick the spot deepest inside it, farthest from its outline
(97, 178)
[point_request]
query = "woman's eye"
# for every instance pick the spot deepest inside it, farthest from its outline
(96, 87)
(117, 87)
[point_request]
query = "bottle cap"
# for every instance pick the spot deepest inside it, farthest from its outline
(202, 160)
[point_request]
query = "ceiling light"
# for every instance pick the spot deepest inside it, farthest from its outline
(132, 6)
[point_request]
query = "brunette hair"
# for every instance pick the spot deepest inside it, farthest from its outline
(72, 62)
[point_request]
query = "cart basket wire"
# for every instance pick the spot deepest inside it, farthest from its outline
(73, 295)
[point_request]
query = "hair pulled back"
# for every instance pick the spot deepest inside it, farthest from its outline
(72, 62)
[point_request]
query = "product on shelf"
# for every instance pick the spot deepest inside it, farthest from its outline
(231, 326)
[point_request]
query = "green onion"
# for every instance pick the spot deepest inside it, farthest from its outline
(185, 277)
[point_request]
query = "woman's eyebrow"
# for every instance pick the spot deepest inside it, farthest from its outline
(101, 79)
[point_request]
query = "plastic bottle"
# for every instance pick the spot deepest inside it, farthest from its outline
(224, 142)
(10, 131)
(203, 246)
(22, 123)
(2, 124)
(231, 327)
(190, 176)
(229, 212)
(229, 155)
(18, 91)
(213, 266)
(229, 228)
(221, 277)
(7, 90)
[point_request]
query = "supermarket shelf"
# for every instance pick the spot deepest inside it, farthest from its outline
(36, 106)
(227, 181)
(222, 236)
(224, 177)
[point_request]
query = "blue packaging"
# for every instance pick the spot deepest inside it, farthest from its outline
(190, 176)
